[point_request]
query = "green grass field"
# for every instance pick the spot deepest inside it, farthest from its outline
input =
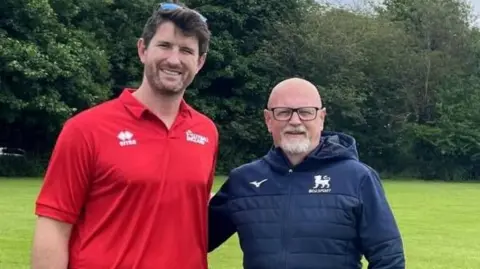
(440, 223)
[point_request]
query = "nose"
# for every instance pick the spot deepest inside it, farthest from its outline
(173, 57)
(295, 119)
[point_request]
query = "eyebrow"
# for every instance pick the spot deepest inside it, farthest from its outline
(163, 42)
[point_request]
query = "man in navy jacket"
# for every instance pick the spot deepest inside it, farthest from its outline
(309, 202)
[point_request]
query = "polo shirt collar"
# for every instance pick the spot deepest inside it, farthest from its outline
(138, 109)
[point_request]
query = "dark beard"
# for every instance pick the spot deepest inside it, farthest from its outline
(155, 84)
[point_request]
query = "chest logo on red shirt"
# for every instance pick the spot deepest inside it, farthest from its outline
(196, 138)
(126, 139)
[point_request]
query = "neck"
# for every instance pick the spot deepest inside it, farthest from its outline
(295, 159)
(165, 107)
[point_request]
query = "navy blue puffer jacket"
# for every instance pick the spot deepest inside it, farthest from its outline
(326, 212)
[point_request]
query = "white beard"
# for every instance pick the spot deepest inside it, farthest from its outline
(299, 146)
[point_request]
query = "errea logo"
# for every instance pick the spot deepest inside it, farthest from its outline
(321, 185)
(126, 139)
(196, 138)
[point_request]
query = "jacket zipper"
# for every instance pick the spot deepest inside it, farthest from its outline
(286, 218)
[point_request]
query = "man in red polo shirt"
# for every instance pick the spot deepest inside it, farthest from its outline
(129, 180)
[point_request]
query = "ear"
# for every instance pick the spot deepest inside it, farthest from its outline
(268, 119)
(141, 50)
(322, 114)
(201, 61)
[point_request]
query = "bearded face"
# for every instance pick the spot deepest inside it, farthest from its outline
(171, 60)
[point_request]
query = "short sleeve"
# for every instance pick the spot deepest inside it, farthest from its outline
(68, 176)
(211, 179)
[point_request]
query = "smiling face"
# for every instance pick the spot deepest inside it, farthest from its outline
(171, 59)
(296, 133)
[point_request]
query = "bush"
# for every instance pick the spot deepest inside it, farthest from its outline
(21, 166)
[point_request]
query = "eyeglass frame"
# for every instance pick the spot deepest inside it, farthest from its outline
(295, 110)
(172, 6)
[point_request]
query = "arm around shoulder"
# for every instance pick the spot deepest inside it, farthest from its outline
(61, 198)
(220, 226)
(380, 237)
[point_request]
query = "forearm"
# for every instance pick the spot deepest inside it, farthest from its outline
(219, 232)
(387, 255)
(220, 227)
(50, 244)
(380, 236)
(49, 257)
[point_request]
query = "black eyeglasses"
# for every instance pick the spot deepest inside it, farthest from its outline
(286, 113)
(173, 6)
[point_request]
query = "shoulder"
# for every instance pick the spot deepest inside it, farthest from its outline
(91, 116)
(354, 168)
(365, 171)
(370, 176)
(205, 123)
(364, 176)
(354, 174)
(255, 169)
(240, 178)
(76, 140)
(202, 118)
(83, 124)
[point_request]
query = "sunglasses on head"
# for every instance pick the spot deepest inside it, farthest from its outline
(173, 6)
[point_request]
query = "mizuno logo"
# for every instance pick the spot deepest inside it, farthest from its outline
(258, 183)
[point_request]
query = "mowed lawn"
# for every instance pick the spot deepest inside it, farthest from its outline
(440, 223)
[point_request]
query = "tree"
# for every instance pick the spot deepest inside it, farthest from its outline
(49, 71)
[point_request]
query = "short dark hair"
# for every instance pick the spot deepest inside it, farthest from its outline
(189, 21)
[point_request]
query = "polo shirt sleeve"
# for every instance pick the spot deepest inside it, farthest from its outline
(67, 177)
(211, 180)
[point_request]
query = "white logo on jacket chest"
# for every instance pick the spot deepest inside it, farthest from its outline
(321, 184)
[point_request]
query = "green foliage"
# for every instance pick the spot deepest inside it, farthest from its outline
(230, 88)
(21, 166)
(49, 71)
(404, 79)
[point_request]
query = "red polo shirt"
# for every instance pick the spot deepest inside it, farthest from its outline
(136, 192)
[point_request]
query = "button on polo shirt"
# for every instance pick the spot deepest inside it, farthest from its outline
(136, 192)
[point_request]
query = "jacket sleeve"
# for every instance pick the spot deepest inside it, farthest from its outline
(380, 237)
(220, 226)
